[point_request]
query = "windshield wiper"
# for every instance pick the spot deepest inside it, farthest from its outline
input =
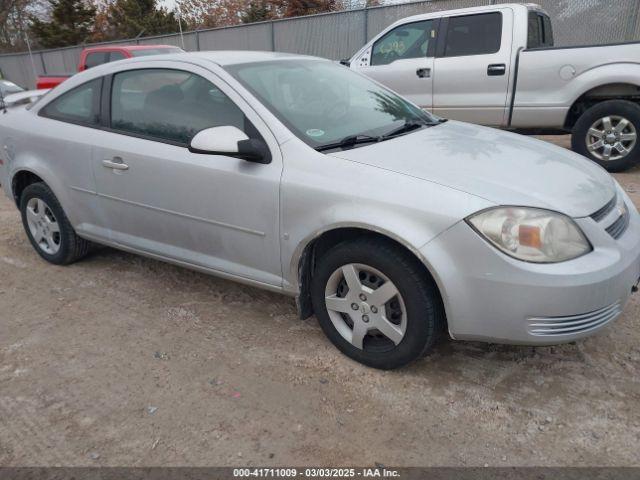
(408, 126)
(349, 141)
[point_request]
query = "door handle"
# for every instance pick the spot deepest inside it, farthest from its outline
(496, 69)
(423, 72)
(116, 164)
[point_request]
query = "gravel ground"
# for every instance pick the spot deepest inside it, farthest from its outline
(121, 360)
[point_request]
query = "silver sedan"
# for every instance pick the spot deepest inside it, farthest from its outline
(298, 175)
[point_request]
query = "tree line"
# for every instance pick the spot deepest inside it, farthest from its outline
(60, 23)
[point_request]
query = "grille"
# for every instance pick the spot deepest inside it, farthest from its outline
(573, 324)
(617, 228)
(604, 211)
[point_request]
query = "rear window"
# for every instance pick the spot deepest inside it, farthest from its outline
(474, 35)
(155, 51)
(115, 56)
(540, 32)
(95, 59)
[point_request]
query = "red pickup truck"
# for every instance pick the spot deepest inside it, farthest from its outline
(94, 56)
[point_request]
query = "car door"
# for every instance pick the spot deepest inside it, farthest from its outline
(472, 67)
(67, 129)
(402, 59)
(211, 211)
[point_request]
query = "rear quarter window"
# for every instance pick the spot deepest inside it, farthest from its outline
(80, 105)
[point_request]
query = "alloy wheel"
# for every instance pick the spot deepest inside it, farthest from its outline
(611, 138)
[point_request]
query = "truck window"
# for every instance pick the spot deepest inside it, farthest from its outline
(96, 58)
(473, 35)
(540, 33)
(548, 31)
(406, 41)
(115, 56)
(155, 51)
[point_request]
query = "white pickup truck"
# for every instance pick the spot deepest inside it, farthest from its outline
(496, 65)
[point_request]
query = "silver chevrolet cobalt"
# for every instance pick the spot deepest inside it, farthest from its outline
(298, 175)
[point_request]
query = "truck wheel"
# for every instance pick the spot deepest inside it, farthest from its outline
(607, 133)
(374, 303)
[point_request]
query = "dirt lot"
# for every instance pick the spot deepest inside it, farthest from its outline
(121, 360)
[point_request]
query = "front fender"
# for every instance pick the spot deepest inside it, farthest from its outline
(320, 193)
(397, 234)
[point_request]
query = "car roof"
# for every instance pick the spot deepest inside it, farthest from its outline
(463, 11)
(227, 57)
(128, 47)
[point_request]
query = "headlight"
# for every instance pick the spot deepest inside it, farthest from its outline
(531, 234)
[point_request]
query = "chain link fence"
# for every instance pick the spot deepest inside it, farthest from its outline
(338, 35)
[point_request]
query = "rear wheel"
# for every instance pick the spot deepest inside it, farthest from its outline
(374, 303)
(48, 228)
(607, 133)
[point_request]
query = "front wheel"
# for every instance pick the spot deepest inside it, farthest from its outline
(375, 302)
(607, 133)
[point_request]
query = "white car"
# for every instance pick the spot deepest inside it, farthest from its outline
(298, 175)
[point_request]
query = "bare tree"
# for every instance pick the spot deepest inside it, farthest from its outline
(14, 22)
(211, 13)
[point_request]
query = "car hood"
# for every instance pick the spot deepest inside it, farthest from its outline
(502, 167)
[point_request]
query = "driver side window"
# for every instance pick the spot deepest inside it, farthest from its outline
(170, 105)
(406, 41)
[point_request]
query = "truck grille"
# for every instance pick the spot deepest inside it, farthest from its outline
(572, 324)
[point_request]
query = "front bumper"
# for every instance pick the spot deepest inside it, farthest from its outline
(489, 296)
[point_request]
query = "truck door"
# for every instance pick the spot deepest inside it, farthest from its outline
(402, 59)
(472, 67)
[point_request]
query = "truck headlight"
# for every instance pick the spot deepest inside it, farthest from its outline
(531, 234)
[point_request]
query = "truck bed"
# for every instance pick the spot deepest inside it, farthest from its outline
(53, 80)
(549, 80)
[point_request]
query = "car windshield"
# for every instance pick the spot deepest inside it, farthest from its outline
(324, 103)
(155, 51)
(8, 87)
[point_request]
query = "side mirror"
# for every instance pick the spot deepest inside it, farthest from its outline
(232, 142)
(346, 62)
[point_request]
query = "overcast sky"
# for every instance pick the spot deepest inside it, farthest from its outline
(167, 3)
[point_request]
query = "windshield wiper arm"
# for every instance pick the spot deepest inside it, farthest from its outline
(349, 141)
(406, 128)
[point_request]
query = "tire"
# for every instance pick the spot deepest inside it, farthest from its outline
(41, 213)
(615, 111)
(416, 309)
